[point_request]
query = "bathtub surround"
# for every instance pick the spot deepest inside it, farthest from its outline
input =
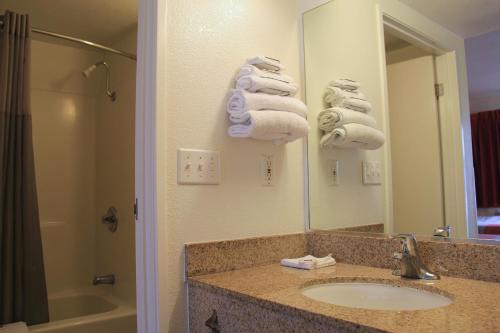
(454, 258)
(23, 291)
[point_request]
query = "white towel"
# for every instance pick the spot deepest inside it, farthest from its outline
(346, 84)
(333, 117)
(252, 70)
(357, 104)
(19, 327)
(266, 63)
(254, 83)
(309, 262)
(354, 136)
(241, 101)
(278, 126)
(335, 96)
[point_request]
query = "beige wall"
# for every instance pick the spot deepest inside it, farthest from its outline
(64, 110)
(207, 43)
(115, 171)
(341, 42)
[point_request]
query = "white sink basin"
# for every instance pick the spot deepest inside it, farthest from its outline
(375, 296)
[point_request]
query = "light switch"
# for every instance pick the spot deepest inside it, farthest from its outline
(372, 173)
(200, 167)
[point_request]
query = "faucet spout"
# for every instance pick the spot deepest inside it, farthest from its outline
(104, 279)
(411, 264)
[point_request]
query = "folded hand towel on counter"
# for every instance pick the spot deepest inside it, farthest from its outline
(241, 101)
(345, 84)
(333, 117)
(335, 96)
(252, 70)
(357, 104)
(355, 136)
(266, 63)
(309, 262)
(254, 83)
(278, 126)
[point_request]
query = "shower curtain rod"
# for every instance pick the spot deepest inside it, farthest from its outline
(82, 41)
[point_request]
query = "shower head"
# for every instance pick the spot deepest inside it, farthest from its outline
(86, 72)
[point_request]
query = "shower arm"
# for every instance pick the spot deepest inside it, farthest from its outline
(111, 94)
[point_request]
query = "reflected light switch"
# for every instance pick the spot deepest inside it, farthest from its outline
(372, 173)
(201, 167)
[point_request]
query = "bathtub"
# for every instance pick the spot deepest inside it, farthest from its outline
(87, 313)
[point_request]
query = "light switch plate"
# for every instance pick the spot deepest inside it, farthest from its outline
(372, 173)
(268, 170)
(198, 167)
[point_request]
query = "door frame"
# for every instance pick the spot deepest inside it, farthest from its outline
(456, 144)
(151, 45)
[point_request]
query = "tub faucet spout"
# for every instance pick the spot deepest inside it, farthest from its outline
(103, 279)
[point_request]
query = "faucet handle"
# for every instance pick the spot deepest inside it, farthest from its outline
(408, 243)
(397, 256)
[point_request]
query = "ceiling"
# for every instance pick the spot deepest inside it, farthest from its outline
(467, 18)
(99, 21)
(393, 43)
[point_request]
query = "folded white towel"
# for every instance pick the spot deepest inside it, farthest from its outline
(345, 84)
(354, 136)
(357, 104)
(252, 70)
(241, 101)
(309, 262)
(266, 63)
(333, 117)
(278, 126)
(254, 83)
(335, 96)
(19, 327)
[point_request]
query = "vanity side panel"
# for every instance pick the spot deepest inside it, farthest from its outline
(236, 315)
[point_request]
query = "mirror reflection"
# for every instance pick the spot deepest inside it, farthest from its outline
(394, 146)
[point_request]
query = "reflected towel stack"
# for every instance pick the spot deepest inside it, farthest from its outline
(262, 106)
(345, 122)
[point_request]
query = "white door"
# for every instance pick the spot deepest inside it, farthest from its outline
(415, 146)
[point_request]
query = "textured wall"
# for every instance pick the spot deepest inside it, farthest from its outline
(207, 42)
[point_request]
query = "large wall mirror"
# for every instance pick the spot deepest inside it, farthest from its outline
(390, 148)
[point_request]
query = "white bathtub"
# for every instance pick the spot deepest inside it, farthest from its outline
(87, 313)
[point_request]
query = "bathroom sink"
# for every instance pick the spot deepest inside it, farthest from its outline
(375, 296)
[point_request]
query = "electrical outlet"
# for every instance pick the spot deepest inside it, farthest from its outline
(268, 170)
(201, 167)
(333, 167)
(372, 173)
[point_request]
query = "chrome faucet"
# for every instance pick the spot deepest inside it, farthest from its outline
(442, 232)
(103, 279)
(411, 264)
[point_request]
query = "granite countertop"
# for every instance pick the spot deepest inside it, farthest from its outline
(475, 308)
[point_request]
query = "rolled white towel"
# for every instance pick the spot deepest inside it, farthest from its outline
(252, 70)
(335, 96)
(357, 104)
(278, 126)
(333, 117)
(241, 101)
(309, 262)
(346, 84)
(254, 83)
(266, 63)
(354, 136)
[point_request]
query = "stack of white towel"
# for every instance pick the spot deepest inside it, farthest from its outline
(262, 106)
(345, 122)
